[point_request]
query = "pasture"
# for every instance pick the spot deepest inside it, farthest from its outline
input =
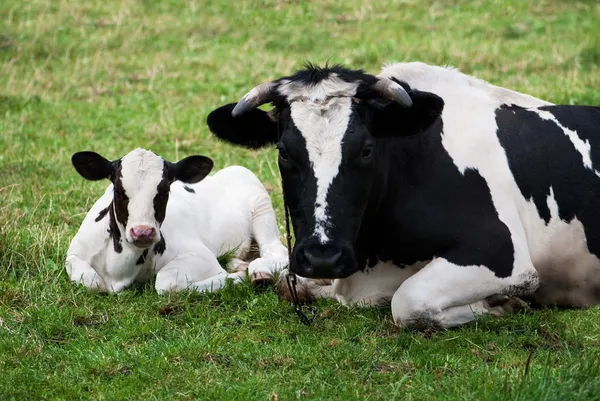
(114, 75)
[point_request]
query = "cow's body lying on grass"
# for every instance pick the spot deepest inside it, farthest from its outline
(430, 188)
(168, 219)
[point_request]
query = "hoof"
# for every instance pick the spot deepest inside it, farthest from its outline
(284, 290)
(500, 304)
(261, 279)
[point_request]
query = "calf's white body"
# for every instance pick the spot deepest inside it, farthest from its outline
(220, 214)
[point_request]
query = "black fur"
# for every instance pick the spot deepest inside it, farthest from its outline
(161, 246)
(142, 258)
(541, 157)
(101, 215)
(253, 129)
(113, 230)
(190, 190)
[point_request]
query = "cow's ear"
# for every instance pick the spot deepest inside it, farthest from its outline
(190, 170)
(254, 129)
(391, 119)
(92, 166)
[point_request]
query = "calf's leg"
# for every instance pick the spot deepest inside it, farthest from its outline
(81, 272)
(199, 271)
(273, 254)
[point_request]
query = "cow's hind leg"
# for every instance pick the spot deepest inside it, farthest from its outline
(273, 255)
(444, 295)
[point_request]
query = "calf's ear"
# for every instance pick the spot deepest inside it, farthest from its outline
(190, 170)
(92, 166)
(392, 119)
(253, 129)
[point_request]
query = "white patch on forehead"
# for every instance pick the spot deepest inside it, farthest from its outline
(333, 86)
(323, 127)
(581, 146)
(141, 172)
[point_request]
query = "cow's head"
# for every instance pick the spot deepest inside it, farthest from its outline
(141, 182)
(327, 124)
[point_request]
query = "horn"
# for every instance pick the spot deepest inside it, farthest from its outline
(393, 91)
(262, 94)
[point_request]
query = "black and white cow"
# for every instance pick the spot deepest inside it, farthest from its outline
(172, 220)
(430, 188)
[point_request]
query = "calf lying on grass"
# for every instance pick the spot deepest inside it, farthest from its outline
(172, 220)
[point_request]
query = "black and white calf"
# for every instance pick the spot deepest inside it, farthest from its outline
(172, 220)
(430, 188)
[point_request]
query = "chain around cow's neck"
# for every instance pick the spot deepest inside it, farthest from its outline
(291, 277)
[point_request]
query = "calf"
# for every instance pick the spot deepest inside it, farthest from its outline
(172, 220)
(430, 188)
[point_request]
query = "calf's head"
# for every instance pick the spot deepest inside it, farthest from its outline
(328, 124)
(141, 183)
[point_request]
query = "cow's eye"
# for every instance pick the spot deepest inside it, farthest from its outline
(367, 152)
(282, 153)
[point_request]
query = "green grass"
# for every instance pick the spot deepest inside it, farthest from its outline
(113, 75)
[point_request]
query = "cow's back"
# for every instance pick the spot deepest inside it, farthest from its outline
(216, 211)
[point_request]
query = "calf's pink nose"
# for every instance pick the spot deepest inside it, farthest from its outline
(142, 232)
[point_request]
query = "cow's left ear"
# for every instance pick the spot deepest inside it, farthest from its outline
(254, 129)
(92, 166)
(190, 170)
(392, 119)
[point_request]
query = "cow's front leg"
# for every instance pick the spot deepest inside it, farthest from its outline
(307, 289)
(444, 295)
(199, 271)
(83, 273)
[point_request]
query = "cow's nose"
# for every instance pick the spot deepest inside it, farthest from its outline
(322, 260)
(142, 233)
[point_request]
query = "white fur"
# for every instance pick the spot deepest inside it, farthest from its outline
(323, 127)
(225, 212)
(447, 294)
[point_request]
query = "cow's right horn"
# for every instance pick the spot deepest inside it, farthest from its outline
(262, 94)
(392, 91)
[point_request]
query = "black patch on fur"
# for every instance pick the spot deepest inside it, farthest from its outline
(113, 230)
(121, 200)
(160, 246)
(101, 215)
(190, 190)
(429, 209)
(162, 196)
(542, 158)
(142, 258)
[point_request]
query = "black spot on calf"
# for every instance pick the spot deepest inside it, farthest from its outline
(101, 215)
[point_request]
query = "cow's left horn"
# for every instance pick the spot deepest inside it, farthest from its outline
(392, 91)
(262, 94)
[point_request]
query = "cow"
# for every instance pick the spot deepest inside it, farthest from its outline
(444, 195)
(172, 220)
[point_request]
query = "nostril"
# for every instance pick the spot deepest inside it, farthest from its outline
(322, 260)
(142, 232)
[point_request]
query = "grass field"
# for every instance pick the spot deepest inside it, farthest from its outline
(113, 75)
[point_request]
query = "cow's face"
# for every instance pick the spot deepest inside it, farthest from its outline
(328, 128)
(141, 183)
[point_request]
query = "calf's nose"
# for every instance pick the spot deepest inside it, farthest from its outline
(142, 232)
